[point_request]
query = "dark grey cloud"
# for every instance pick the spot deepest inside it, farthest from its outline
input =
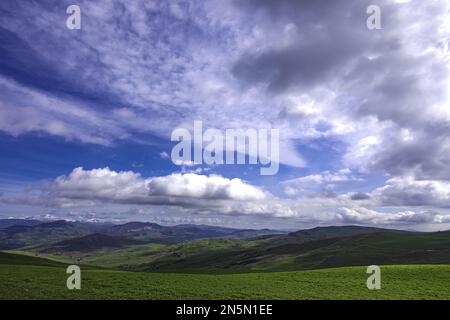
(360, 196)
(407, 191)
(395, 75)
(330, 35)
(427, 157)
(299, 66)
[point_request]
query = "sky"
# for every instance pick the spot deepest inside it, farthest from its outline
(86, 115)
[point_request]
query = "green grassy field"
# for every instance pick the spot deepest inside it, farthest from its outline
(25, 277)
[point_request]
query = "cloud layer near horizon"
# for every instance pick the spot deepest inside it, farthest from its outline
(200, 194)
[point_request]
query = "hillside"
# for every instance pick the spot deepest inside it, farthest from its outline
(24, 281)
(7, 258)
(195, 254)
(363, 249)
(90, 242)
(227, 255)
(414, 266)
(274, 253)
(150, 247)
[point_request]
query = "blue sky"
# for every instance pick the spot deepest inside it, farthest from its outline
(86, 115)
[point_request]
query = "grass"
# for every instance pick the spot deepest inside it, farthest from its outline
(414, 266)
(22, 280)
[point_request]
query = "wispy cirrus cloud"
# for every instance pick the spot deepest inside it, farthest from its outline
(317, 184)
(217, 62)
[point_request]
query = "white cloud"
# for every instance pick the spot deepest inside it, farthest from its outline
(406, 191)
(194, 194)
(99, 184)
(324, 177)
(312, 182)
(164, 155)
(24, 110)
(205, 187)
(90, 187)
(367, 216)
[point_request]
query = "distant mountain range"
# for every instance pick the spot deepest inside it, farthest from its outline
(6, 223)
(143, 246)
(18, 233)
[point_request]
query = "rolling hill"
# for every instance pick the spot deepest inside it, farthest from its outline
(319, 263)
(379, 248)
(202, 249)
(307, 249)
(7, 258)
(23, 277)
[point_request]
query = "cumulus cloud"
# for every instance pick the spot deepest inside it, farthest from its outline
(212, 195)
(367, 216)
(215, 194)
(359, 196)
(205, 187)
(88, 187)
(406, 191)
(382, 92)
(422, 151)
(234, 195)
(99, 184)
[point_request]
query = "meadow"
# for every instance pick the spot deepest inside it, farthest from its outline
(25, 277)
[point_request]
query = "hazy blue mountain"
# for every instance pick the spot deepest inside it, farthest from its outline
(6, 223)
(21, 234)
(90, 242)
